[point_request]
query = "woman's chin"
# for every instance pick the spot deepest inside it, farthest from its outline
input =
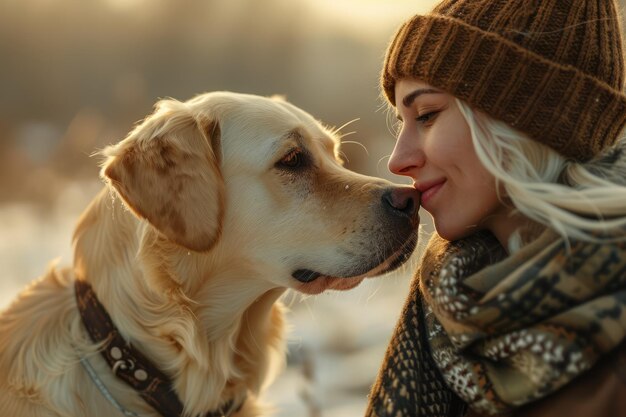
(453, 233)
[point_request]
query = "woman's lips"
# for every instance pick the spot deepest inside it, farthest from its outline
(430, 192)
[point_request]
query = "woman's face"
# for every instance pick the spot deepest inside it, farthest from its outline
(434, 148)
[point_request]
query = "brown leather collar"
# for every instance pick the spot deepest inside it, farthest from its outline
(127, 363)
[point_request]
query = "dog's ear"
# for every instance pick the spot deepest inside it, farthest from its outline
(167, 172)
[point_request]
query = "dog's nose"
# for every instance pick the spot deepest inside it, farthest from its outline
(403, 200)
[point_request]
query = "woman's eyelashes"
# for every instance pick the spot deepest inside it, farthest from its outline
(426, 118)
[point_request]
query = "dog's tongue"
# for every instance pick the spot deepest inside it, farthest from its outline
(322, 284)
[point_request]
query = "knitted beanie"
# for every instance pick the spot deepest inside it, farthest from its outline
(552, 69)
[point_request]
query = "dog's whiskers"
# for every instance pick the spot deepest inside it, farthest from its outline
(336, 130)
(374, 292)
(381, 160)
(356, 143)
(289, 298)
(343, 135)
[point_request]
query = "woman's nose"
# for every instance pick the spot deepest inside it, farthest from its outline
(406, 156)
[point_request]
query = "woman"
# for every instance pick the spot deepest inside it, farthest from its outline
(512, 117)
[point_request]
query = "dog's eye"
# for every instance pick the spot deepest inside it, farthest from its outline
(294, 159)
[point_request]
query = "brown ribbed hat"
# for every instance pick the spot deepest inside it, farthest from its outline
(552, 69)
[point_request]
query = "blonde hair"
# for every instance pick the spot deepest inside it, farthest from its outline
(585, 201)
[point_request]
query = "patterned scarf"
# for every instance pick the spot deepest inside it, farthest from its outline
(468, 336)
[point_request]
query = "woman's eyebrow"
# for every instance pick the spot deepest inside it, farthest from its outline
(408, 100)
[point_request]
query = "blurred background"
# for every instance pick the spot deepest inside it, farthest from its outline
(76, 75)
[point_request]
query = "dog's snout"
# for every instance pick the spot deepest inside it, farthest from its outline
(403, 200)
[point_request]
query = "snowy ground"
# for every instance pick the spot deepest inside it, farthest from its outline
(337, 340)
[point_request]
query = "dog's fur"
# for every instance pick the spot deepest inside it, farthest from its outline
(190, 245)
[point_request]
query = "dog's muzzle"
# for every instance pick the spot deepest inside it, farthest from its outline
(399, 219)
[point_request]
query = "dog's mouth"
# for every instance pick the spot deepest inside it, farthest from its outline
(314, 282)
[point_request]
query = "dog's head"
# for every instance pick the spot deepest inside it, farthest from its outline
(260, 182)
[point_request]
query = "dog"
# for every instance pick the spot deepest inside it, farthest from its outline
(211, 209)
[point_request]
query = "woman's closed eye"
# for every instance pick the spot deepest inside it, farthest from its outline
(427, 117)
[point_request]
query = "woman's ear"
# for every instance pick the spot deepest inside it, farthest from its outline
(167, 172)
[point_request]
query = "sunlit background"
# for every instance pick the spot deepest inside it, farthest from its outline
(76, 75)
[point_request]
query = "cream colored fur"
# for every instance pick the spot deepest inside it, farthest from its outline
(189, 247)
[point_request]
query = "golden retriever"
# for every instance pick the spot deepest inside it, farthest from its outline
(212, 208)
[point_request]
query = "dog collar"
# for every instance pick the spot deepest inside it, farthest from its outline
(130, 365)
